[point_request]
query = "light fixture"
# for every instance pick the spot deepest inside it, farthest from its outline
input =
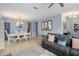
(19, 23)
(72, 14)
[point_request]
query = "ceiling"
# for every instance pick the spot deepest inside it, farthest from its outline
(27, 12)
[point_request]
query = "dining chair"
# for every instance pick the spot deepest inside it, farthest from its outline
(28, 35)
(23, 36)
(9, 37)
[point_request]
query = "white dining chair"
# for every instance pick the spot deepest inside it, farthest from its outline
(9, 37)
(23, 36)
(30, 36)
(18, 38)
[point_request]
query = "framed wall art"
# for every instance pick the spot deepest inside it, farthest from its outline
(46, 25)
(49, 25)
(76, 27)
(42, 25)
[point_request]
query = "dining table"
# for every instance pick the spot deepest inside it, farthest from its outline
(19, 36)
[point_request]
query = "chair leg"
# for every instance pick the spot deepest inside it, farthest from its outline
(20, 40)
(26, 38)
(8, 41)
(30, 37)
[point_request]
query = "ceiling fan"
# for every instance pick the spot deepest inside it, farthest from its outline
(61, 4)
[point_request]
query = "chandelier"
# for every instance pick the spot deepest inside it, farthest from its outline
(19, 23)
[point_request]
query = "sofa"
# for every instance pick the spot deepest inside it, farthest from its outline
(58, 49)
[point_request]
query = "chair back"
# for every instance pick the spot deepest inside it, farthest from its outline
(6, 33)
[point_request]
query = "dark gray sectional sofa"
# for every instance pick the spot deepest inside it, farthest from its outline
(60, 50)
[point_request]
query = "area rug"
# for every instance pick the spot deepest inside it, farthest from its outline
(35, 51)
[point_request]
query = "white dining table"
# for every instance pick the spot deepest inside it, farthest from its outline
(17, 36)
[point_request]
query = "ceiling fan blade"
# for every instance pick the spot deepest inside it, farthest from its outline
(50, 5)
(61, 4)
(35, 7)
